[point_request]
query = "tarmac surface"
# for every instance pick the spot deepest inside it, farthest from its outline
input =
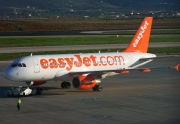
(148, 98)
(72, 32)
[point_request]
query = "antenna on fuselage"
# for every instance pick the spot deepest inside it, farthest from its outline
(31, 54)
(99, 51)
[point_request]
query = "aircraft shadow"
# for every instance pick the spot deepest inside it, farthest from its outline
(46, 91)
(4, 89)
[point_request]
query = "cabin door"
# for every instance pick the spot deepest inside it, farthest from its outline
(36, 65)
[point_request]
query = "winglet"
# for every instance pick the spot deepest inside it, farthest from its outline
(141, 39)
(177, 67)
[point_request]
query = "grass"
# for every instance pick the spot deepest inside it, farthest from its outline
(165, 38)
(12, 56)
(76, 40)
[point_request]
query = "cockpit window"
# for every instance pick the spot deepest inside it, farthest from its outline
(24, 65)
(18, 65)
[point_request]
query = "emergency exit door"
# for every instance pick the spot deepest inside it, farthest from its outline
(36, 65)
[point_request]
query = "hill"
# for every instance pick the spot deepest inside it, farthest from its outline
(81, 8)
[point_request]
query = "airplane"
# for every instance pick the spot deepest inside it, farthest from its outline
(85, 71)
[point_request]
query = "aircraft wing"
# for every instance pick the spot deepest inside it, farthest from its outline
(161, 57)
(125, 71)
(121, 71)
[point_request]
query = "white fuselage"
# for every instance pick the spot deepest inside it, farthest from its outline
(57, 67)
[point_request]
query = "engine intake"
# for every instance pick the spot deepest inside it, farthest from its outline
(84, 82)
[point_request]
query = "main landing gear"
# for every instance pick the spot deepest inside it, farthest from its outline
(65, 85)
(97, 87)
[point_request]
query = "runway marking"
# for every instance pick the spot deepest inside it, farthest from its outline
(89, 99)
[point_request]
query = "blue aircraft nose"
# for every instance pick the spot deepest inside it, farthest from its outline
(9, 74)
(6, 74)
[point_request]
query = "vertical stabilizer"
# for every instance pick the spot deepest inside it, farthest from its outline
(140, 41)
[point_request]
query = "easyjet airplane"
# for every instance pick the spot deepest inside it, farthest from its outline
(85, 71)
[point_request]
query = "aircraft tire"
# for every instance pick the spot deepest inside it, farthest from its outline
(97, 88)
(63, 84)
(67, 85)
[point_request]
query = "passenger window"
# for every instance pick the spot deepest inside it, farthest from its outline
(19, 65)
(24, 65)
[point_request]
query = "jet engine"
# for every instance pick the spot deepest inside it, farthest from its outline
(84, 82)
(35, 83)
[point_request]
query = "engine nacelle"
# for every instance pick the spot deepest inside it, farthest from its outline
(84, 82)
(35, 83)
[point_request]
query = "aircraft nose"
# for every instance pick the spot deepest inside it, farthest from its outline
(8, 74)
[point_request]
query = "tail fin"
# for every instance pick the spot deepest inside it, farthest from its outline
(141, 39)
